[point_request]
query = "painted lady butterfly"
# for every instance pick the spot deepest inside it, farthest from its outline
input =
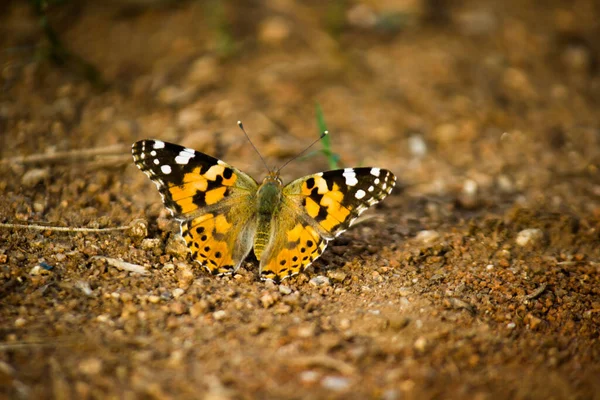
(224, 213)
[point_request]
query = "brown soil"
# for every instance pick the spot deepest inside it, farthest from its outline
(479, 277)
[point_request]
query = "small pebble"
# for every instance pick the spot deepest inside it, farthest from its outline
(153, 298)
(274, 30)
(417, 146)
(19, 322)
(138, 228)
(91, 366)
(176, 247)
(268, 299)
(34, 176)
(320, 280)
(284, 290)
(427, 237)
(337, 275)
(309, 376)
(150, 244)
(177, 293)
(529, 237)
(420, 344)
(511, 325)
(336, 383)
(219, 315)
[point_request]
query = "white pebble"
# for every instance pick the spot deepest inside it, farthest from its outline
(417, 145)
(320, 280)
(529, 237)
(336, 383)
(427, 236)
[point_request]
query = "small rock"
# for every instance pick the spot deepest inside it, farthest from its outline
(505, 184)
(511, 325)
(284, 290)
(320, 280)
(534, 322)
(154, 299)
(138, 228)
(20, 322)
(40, 269)
(177, 293)
(417, 146)
(397, 323)
(468, 197)
(309, 376)
(34, 176)
(176, 247)
(90, 366)
(274, 30)
(219, 315)
(529, 237)
(420, 344)
(427, 237)
(337, 276)
(268, 299)
(336, 383)
(185, 275)
(150, 244)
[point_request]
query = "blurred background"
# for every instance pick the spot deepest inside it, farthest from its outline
(487, 111)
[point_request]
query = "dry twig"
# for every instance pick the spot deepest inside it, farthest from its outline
(66, 156)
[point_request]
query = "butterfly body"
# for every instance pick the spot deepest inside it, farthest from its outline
(225, 213)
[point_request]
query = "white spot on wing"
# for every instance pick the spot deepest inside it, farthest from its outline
(350, 177)
(360, 194)
(158, 144)
(153, 153)
(166, 169)
(156, 161)
(371, 188)
(375, 171)
(182, 160)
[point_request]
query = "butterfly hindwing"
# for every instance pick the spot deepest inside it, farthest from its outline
(208, 196)
(295, 246)
(220, 241)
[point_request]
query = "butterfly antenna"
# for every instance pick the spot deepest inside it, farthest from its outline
(255, 149)
(325, 133)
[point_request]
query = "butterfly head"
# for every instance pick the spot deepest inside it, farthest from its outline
(269, 193)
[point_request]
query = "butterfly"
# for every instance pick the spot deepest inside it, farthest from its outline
(224, 213)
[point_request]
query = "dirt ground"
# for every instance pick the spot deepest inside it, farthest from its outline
(478, 278)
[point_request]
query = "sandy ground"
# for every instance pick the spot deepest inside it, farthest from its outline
(478, 278)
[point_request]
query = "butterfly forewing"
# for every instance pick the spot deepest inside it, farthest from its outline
(334, 199)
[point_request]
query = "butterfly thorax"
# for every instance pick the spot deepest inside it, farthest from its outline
(268, 203)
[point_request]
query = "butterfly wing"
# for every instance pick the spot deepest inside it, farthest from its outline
(317, 208)
(208, 196)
